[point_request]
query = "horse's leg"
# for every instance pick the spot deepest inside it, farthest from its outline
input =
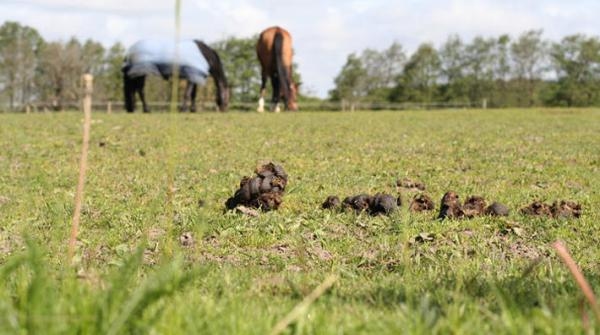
(140, 88)
(276, 93)
(186, 96)
(129, 93)
(263, 86)
(193, 90)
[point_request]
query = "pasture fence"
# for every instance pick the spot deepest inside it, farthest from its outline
(110, 107)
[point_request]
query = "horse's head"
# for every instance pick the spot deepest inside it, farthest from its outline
(292, 103)
(222, 98)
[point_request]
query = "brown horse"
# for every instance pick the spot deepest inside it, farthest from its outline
(274, 51)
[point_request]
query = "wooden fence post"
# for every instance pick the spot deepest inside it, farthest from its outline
(87, 120)
(109, 108)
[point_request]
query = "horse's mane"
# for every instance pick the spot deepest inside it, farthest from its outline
(214, 62)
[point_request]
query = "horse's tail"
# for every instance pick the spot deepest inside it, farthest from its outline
(128, 90)
(281, 69)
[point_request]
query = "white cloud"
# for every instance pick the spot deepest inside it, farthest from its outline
(116, 26)
(228, 17)
(133, 6)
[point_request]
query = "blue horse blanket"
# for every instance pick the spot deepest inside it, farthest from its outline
(158, 56)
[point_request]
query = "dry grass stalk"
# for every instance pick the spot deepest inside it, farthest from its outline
(585, 287)
(299, 310)
(87, 120)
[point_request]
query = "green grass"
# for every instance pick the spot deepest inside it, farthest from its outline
(244, 274)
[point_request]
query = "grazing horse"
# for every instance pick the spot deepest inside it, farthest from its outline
(196, 61)
(274, 51)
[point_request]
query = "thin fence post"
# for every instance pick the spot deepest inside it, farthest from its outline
(484, 104)
(87, 120)
(109, 108)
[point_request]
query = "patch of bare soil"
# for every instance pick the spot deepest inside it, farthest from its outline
(186, 239)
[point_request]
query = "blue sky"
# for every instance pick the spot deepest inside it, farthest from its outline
(324, 32)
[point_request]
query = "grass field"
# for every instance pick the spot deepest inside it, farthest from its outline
(243, 274)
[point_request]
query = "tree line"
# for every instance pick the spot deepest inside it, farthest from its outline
(504, 71)
(35, 70)
(48, 73)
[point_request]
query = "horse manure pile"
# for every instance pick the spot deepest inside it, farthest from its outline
(537, 208)
(497, 209)
(332, 202)
(473, 206)
(410, 184)
(421, 203)
(563, 209)
(358, 203)
(450, 207)
(382, 204)
(378, 204)
(476, 206)
(264, 191)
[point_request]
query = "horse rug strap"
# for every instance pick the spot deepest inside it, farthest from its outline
(158, 56)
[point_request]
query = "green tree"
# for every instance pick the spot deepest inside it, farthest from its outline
(577, 62)
(502, 68)
(382, 68)
(111, 77)
(452, 70)
(92, 57)
(419, 81)
(528, 55)
(480, 69)
(19, 46)
(241, 66)
(59, 74)
(93, 62)
(350, 82)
